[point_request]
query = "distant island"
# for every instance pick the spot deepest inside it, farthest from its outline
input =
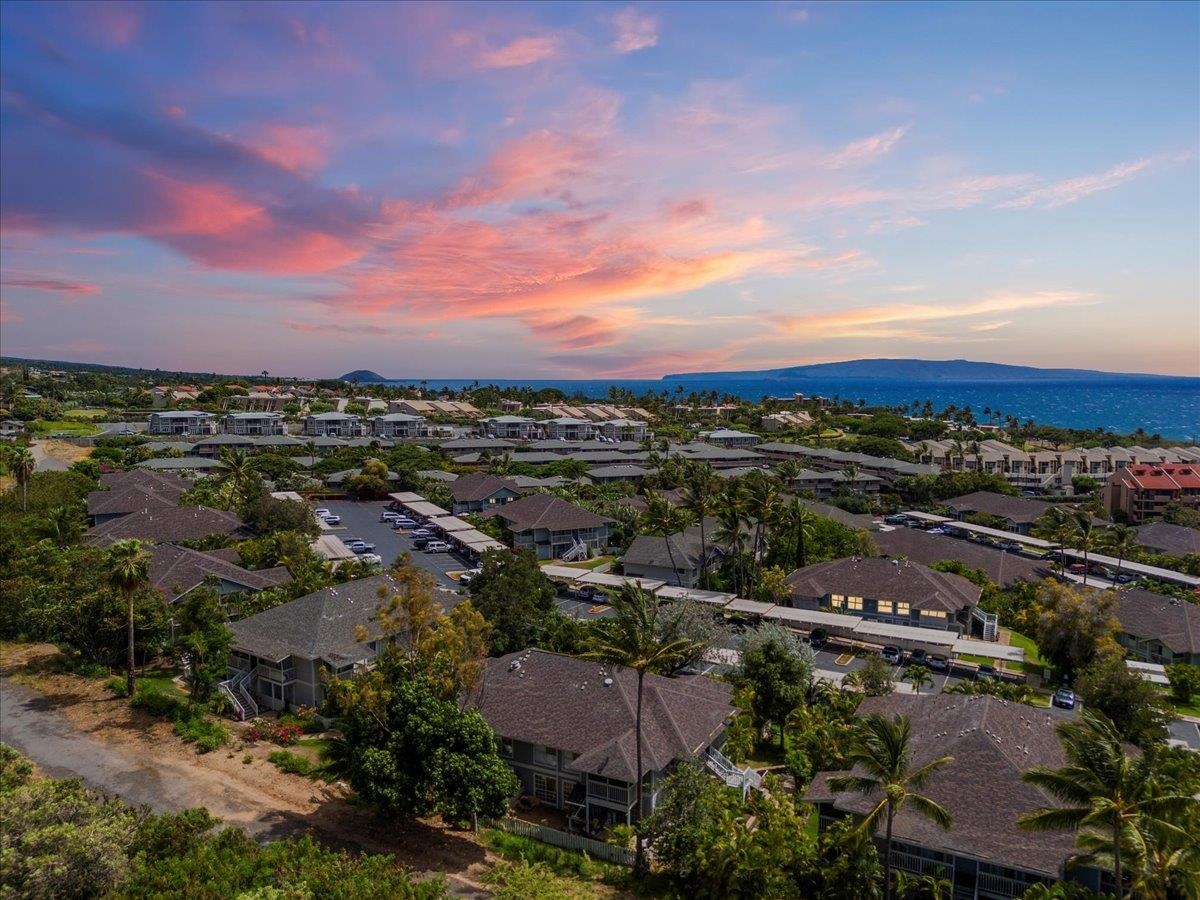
(362, 376)
(919, 370)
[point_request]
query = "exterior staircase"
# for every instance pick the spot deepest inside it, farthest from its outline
(236, 690)
(577, 553)
(725, 769)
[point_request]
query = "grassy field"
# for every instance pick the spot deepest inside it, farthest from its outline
(75, 428)
(89, 414)
(1185, 709)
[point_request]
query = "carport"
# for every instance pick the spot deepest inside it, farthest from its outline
(603, 579)
(907, 637)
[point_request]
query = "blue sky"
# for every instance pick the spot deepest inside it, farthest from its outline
(557, 190)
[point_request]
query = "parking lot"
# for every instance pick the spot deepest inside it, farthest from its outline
(361, 520)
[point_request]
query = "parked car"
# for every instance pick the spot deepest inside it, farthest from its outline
(588, 593)
(321, 512)
(1077, 568)
(936, 529)
(371, 559)
(367, 547)
(468, 576)
(331, 519)
(403, 522)
(817, 637)
(355, 544)
(896, 519)
(917, 657)
(892, 655)
(437, 547)
(986, 673)
(422, 533)
(939, 663)
(422, 542)
(1064, 698)
(1011, 546)
(1125, 578)
(389, 516)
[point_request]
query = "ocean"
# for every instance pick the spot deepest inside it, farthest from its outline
(1169, 407)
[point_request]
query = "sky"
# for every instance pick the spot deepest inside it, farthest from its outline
(554, 190)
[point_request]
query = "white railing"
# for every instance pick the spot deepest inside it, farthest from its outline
(578, 551)
(734, 776)
(228, 694)
(620, 855)
(242, 686)
(236, 690)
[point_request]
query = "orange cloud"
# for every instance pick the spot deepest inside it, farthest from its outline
(523, 51)
(298, 148)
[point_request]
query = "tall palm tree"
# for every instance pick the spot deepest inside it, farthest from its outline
(700, 499)
(1087, 538)
(1121, 541)
(20, 460)
(128, 570)
(237, 470)
(663, 520)
(1112, 799)
(1055, 525)
(804, 521)
(881, 759)
(630, 638)
(762, 498)
(63, 525)
(789, 470)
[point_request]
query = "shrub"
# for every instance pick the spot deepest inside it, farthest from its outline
(195, 727)
(157, 703)
(287, 761)
(247, 759)
(1185, 681)
(286, 734)
(306, 723)
(118, 686)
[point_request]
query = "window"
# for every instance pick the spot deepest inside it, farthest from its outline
(933, 613)
(902, 608)
(545, 788)
(506, 748)
(884, 606)
(855, 603)
(546, 756)
(836, 600)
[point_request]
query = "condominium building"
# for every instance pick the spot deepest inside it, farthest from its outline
(183, 421)
(1141, 492)
(255, 423)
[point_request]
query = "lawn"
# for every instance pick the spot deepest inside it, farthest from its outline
(84, 414)
(63, 426)
(1185, 709)
(589, 564)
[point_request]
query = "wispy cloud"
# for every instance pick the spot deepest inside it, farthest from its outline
(636, 30)
(1071, 190)
(868, 149)
(522, 51)
(53, 285)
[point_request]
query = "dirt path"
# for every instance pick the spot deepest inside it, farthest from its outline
(73, 727)
(56, 456)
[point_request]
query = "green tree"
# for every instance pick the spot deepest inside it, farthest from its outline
(1074, 627)
(882, 772)
(515, 597)
(1121, 542)
(21, 463)
(238, 474)
(1133, 704)
(204, 638)
(630, 638)
(876, 677)
(918, 676)
(1110, 797)
(1088, 539)
(128, 570)
(268, 515)
(661, 519)
(408, 751)
(777, 677)
(64, 525)
(1185, 681)
(700, 495)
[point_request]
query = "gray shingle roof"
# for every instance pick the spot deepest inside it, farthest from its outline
(1001, 567)
(180, 523)
(478, 486)
(1145, 614)
(993, 743)
(1177, 540)
(563, 702)
(176, 570)
(884, 579)
(545, 511)
(1020, 510)
(130, 491)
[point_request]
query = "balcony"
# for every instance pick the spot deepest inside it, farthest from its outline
(611, 793)
(277, 675)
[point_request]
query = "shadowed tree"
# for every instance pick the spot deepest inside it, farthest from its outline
(22, 464)
(128, 570)
(700, 499)
(1121, 542)
(663, 520)
(631, 638)
(880, 769)
(1111, 798)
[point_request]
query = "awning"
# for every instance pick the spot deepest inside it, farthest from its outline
(935, 637)
(814, 618)
(452, 523)
(566, 572)
(426, 509)
(990, 649)
(1152, 672)
(753, 607)
(407, 497)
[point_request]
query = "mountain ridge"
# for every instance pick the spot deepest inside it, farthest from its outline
(931, 370)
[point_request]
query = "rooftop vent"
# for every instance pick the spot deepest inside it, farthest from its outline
(514, 665)
(608, 682)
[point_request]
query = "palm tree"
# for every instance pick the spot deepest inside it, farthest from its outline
(22, 464)
(1087, 538)
(804, 521)
(1055, 525)
(128, 570)
(663, 520)
(881, 756)
(1121, 541)
(762, 499)
(918, 676)
(700, 499)
(1113, 800)
(789, 470)
(237, 470)
(630, 639)
(63, 525)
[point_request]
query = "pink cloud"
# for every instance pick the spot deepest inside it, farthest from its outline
(635, 30)
(298, 148)
(868, 149)
(174, 111)
(116, 24)
(1070, 190)
(341, 329)
(522, 51)
(541, 164)
(53, 285)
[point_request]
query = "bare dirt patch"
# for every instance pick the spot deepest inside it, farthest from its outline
(255, 795)
(63, 452)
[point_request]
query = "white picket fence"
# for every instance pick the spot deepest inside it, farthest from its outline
(622, 856)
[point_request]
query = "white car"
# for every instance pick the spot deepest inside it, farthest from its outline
(371, 559)
(331, 519)
(389, 516)
(470, 575)
(437, 547)
(321, 512)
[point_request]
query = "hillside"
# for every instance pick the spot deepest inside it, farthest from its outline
(363, 376)
(918, 370)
